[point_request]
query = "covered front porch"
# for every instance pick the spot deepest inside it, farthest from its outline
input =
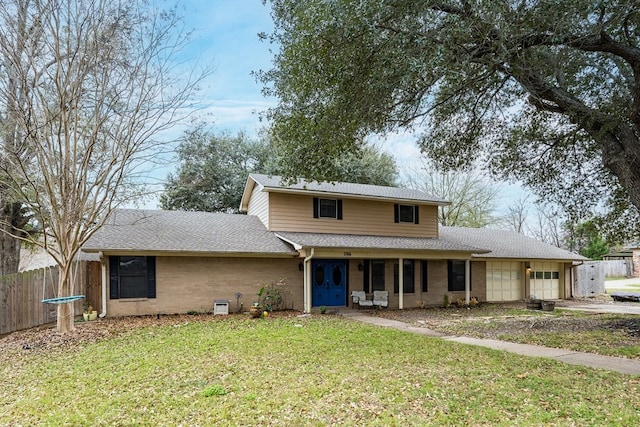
(411, 280)
(415, 271)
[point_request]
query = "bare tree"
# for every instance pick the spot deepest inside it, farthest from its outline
(472, 198)
(87, 96)
(548, 225)
(516, 217)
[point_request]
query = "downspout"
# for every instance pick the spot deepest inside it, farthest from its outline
(103, 269)
(307, 283)
(572, 278)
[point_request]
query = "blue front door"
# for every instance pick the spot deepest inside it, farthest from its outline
(329, 283)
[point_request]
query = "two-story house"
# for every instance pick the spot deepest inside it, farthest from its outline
(325, 240)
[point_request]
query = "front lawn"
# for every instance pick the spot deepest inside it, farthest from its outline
(322, 370)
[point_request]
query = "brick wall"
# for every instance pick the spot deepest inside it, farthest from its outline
(192, 284)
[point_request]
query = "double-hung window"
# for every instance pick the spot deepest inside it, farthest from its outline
(406, 214)
(408, 276)
(327, 208)
(132, 277)
(377, 275)
(457, 273)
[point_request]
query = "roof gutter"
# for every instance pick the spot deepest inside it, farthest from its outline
(572, 275)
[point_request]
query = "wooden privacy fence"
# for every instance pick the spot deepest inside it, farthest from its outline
(21, 295)
(589, 280)
(618, 268)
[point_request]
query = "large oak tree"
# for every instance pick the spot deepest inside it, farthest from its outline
(546, 92)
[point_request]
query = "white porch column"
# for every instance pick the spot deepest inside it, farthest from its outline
(305, 287)
(308, 281)
(467, 281)
(400, 283)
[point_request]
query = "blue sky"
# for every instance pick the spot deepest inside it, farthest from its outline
(226, 35)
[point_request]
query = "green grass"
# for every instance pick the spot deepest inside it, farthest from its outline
(288, 371)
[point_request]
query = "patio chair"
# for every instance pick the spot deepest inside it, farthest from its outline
(381, 298)
(360, 298)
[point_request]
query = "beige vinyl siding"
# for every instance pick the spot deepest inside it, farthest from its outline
(259, 205)
(294, 213)
(186, 284)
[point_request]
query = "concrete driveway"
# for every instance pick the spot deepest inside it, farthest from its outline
(601, 307)
(616, 307)
(624, 283)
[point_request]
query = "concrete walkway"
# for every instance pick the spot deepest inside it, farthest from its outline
(617, 364)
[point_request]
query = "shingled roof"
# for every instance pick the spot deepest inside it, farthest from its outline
(204, 233)
(337, 189)
(350, 241)
(187, 233)
(507, 244)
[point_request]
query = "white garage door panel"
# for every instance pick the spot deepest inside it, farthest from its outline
(504, 281)
(545, 280)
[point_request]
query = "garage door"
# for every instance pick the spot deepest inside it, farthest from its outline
(504, 281)
(545, 280)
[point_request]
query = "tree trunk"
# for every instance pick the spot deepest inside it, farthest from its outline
(9, 254)
(10, 219)
(65, 319)
(621, 155)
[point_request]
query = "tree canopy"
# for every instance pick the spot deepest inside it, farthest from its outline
(212, 172)
(213, 169)
(586, 240)
(544, 92)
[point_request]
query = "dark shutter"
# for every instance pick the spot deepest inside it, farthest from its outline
(315, 207)
(396, 213)
(423, 275)
(339, 209)
(114, 263)
(416, 215)
(151, 276)
(365, 275)
(396, 277)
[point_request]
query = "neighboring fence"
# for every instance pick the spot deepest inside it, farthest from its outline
(21, 295)
(618, 268)
(589, 280)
